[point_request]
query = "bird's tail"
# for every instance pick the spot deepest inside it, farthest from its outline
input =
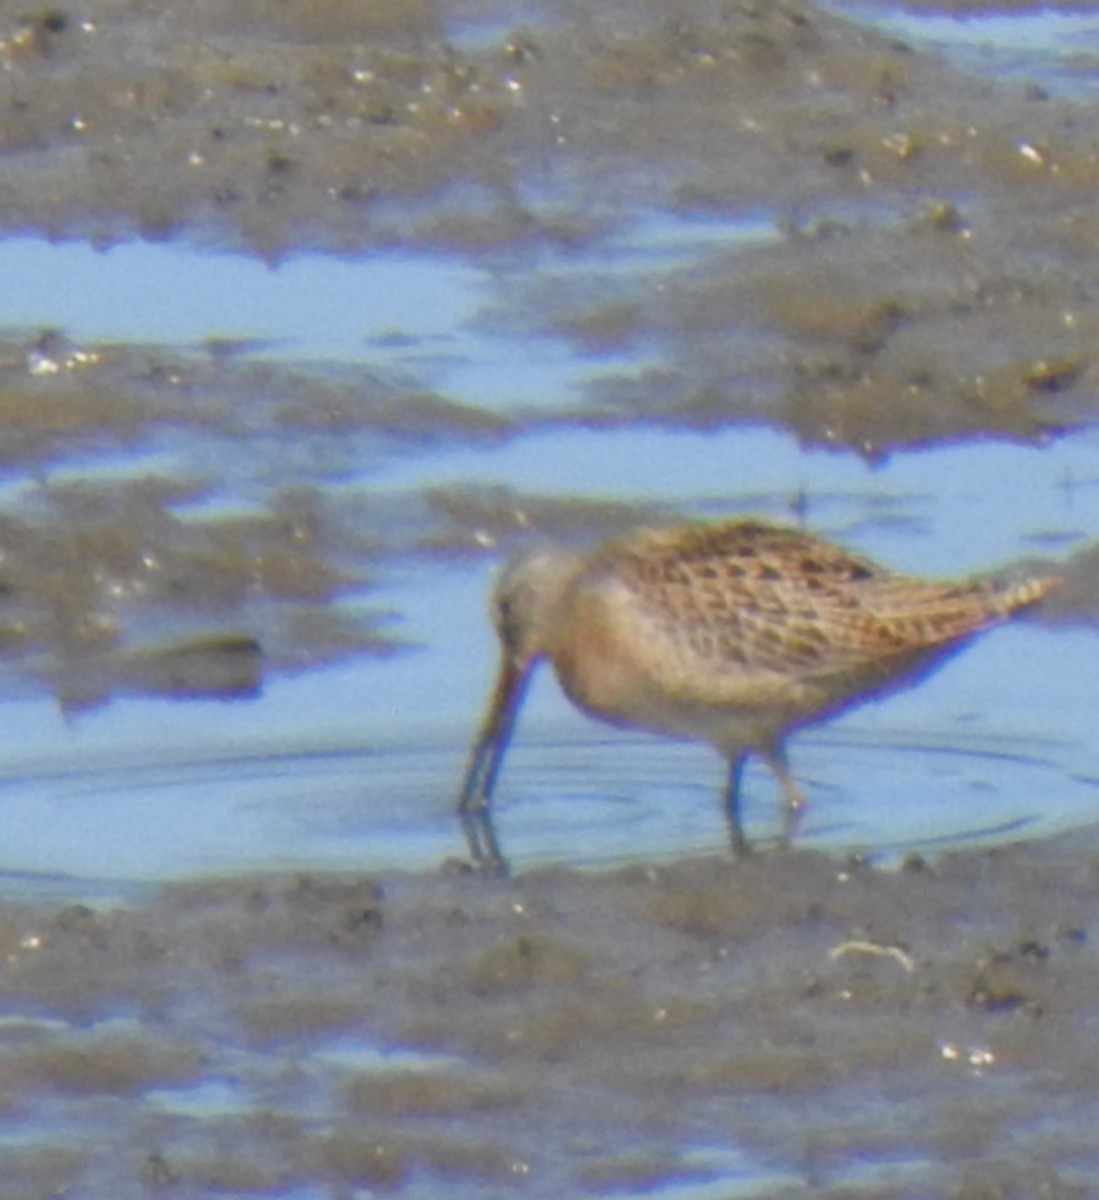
(1011, 597)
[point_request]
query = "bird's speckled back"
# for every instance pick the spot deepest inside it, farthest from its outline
(721, 610)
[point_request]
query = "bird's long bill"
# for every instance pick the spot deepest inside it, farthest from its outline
(492, 741)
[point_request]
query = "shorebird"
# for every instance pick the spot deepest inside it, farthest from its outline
(733, 634)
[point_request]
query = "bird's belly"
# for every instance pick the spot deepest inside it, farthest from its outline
(722, 727)
(611, 674)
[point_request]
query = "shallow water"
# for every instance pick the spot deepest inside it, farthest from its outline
(152, 788)
(646, 264)
(1055, 49)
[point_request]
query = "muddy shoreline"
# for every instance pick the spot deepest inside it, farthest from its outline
(793, 1025)
(568, 1032)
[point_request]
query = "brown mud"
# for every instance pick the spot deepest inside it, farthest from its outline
(933, 281)
(927, 1031)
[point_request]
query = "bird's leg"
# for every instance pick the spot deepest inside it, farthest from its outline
(775, 757)
(731, 802)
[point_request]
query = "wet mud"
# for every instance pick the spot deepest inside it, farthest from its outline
(791, 1025)
(845, 1030)
(928, 281)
